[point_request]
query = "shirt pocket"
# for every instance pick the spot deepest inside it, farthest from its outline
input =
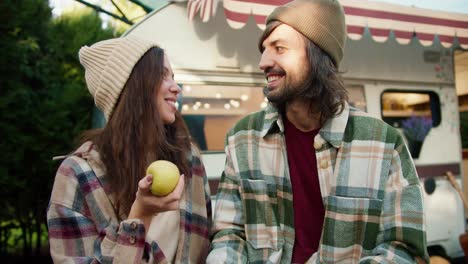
(260, 208)
(350, 229)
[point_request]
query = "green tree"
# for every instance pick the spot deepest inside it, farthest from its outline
(44, 105)
(123, 12)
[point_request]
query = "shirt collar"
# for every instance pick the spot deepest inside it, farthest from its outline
(334, 128)
(272, 121)
(332, 131)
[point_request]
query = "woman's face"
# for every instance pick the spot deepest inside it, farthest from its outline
(166, 96)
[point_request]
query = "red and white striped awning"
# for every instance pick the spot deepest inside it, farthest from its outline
(380, 18)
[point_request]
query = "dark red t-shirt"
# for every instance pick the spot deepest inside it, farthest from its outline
(307, 200)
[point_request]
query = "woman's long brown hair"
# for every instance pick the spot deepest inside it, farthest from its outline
(135, 134)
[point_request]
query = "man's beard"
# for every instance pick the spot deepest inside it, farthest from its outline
(290, 90)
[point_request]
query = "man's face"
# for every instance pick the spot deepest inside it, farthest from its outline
(284, 61)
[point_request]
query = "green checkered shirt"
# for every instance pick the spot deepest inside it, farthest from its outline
(368, 181)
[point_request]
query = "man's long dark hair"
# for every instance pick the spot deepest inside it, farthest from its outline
(324, 86)
(135, 134)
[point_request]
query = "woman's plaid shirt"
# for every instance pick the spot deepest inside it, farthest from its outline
(370, 190)
(84, 226)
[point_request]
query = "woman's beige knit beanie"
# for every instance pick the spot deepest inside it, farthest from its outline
(108, 65)
(321, 21)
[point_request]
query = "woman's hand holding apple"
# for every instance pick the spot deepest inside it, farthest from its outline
(147, 205)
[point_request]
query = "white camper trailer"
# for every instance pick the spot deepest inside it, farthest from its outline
(393, 68)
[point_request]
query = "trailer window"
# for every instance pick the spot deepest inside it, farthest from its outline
(398, 106)
(464, 129)
(463, 106)
(210, 111)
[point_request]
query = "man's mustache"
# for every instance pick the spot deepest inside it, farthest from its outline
(274, 71)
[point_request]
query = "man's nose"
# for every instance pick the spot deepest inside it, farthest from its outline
(265, 61)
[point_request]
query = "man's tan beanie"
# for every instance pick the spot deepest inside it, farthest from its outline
(321, 21)
(108, 65)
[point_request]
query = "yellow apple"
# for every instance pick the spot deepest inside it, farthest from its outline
(165, 177)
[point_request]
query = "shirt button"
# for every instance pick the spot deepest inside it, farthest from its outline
(133, 225)
(132, 240)
(324, 164)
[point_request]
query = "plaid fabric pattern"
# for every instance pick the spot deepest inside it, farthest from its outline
(370, 189)
(84, 226)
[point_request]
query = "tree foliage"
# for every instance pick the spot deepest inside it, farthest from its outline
(44, 105)
(124, 12)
